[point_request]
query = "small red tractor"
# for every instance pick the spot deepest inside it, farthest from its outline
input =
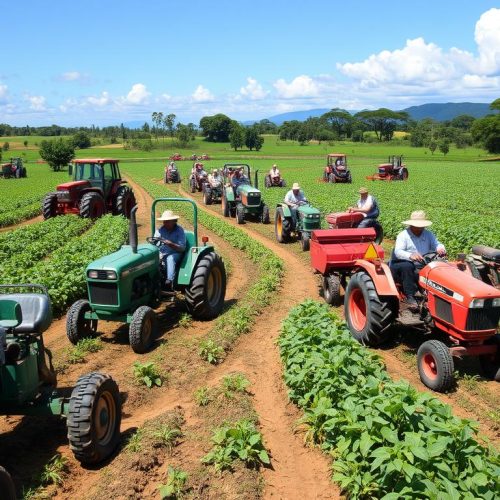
(484, 264)
(336, 169)
(460, 312)
(276, 181)
(14, 169)
(393, 170)
(345, 220)
(203, 157)
(176, 157)
(197, 178)
(97, 188)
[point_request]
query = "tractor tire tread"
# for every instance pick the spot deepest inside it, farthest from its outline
(135, 336)
(444, 360)
(73, 318)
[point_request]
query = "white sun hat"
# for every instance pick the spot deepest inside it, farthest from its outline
(418, 219)
(168, 215)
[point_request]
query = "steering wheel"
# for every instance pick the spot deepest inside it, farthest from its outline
(153, 240)
(432, 256)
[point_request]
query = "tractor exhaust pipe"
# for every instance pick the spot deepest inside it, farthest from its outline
(256, 183)
(132, 230)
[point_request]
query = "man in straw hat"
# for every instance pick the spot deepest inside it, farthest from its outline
(408, 257)
(173, 244)
(368, 206)
(294, 198)
(274, 172)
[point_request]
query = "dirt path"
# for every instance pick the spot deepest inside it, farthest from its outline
(17, 225)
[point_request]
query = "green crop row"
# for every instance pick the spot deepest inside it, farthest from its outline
(63, 273)
(388, 440)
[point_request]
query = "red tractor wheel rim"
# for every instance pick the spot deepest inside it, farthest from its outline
(357, 309)
(429, 366)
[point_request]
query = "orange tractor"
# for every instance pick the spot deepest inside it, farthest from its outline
(97, 188)
(393, 170)
(336, 169)
(460, 312)
(176, 157)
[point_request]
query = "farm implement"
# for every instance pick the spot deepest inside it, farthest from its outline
(126, 285)
(28, 383)
(240, 199)
(336, 169)
(96, 189)
(393, 170)
(346, 220)
(289, 226)
(14, 169)
(460, 311)
(484, 264)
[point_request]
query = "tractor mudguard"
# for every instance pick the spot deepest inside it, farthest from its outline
(229, 193)
(286, 209)
(381, 277)
(189, 263)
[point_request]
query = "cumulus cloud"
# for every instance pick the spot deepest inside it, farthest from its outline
(37, 102)
(253, 90)
(137, 95)
(487, 36)
(201, 94)
(301, 86)
(102, 100)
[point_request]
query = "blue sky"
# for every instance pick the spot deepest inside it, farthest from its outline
(105, 62)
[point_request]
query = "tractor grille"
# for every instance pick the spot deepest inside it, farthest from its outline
(484, 318)
(443, 310)
(104, 294)
(253, 199)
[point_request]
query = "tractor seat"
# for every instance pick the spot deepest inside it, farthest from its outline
(36, 311)
(488, 253)
(10, 314)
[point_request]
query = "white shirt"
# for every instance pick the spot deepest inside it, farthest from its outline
(294, 199)
(408, 243)
(367, 203)
(274, 173)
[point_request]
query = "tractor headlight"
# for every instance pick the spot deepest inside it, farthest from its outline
(93, 274)
(496, 303)
(111, 275)
(476, 303)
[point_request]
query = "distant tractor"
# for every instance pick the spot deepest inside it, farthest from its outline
(198, 178)
(484, 264)
(393, 170)
(15, 169)
(212, 192)
(176, 157)
(97, 188)
(172, 174)
(276, 181)
(336, 169)
(239, 198)
(127, 285)
(28, 380)
(287, 227)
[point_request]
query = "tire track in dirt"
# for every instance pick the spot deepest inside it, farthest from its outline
(11, 227)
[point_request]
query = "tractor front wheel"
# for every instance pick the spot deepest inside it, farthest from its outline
(94, 418)
(331, 178)
(207, 196)
(435, 365)
(225, 206)
(143, 328)
(49, 207)
(404, 174)
(490, 363)
(368, 316)
(7, 489)
(192, 183)
(206, 293)
(331, 290)
(349, 178)
(92, 206)
(124, 201)
(77, 326)
(240, 214)
(282, 227)
(265, 217)
(305, 240)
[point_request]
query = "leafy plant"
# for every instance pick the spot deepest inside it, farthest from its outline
(53, 472)
(236, 382)
(166, 436)
(134, 442)
(176, 481)
(84, 347)
(185, 320)
(211, 352)
(202, 396)
(147, 374)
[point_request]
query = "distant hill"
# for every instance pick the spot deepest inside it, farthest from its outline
(447, 111)
(301, 116)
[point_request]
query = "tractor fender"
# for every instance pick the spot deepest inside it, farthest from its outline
(116, 184)
(91, 190)
(286, 209)
(189, 263)
(229, 193)
(380, 275)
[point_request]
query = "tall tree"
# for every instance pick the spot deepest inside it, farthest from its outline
(252, 139)
(237, 136)
(57, 152)
(169, 121)
(340, 121)
(383, 121)
(216, 128)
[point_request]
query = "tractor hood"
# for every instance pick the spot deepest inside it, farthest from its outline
(247, 189)
(67, 186)
(250, 196)
(308, 210)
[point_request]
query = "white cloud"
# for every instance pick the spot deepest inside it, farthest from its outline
(37, 102)
(253, 90)
(71, 76)
(137, 95)
(487, 36)
(201, 94)
(3, 92)
(101, 101)
(301, 86)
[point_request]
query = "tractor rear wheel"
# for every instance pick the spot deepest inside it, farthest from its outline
(349, 178)
(92, 206)
(124, 201)
(225, 206)
(143, 328)
(7, 489)
(305, 239)
(192, 184)
(49, 207)
(282, 227)
(206, 293)
(94, 418)
(368, 316)
(331, 178)
(478, 268)
(331, 289)
(435, 365)
(490, 363)
(240, 214)
(265, 217)
(282, 183)
(404, 174)
(379, 233)
(77, 326)
(207, 196)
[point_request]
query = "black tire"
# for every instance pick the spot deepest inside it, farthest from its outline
(49, 207)
(349, 178)
(282, 229)
(435, 365)
(305, 240)
(265, 217)
(92, 206)
(192, 183)
(7, 488)
(283, 183)
(94, 418)
(143, 329)
(207, 196)
(404, 174)
(77, 327)
(490, 364)
(225, 206)
(205, 295)
(124, 201)
(240, 214)
(331, 290)
(331, 178)
(361, 299)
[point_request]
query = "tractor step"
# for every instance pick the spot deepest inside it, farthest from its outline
(409, 318)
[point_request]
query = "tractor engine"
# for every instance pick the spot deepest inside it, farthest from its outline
(250, 196)
(310, 218)
(459, 303)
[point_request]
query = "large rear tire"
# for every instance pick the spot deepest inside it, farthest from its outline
(7, 489)
(282, 229)
(368, 317)
(331, 178)
(49, 207)
(94, 418)
(77, 326)
(404, 174)
(207, 196)
(379, 233)
(435, 365)
(124, 201)
(331, 290)
(92, 206)
(143, 328)
(206, 293)
(225, 206)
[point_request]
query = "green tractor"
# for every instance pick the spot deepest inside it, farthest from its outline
(287, 227)
(28, 384)
(126, 285)
(239, 198)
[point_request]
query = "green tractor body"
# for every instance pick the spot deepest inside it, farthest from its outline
(126, 285)
(287, 227)
(243, 201)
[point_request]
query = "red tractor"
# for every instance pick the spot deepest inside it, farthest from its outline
(197, 178)
(484, 264)
(336, 169)
(204, 157)
(393, 170)
(460, 311)
(97, 188)
(176, 157)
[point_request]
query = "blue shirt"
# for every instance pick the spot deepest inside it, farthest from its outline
(408, 243)
(177, 235)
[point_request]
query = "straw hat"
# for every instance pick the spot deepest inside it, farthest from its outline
(418, 219)
(168, 215)
(295, 185)
(275, 166)
(363, 190)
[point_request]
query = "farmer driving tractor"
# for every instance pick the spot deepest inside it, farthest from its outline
(215, 179)
(238, 178)
(274, 172)
(408, 257)
(368, 206)
(294, 199)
